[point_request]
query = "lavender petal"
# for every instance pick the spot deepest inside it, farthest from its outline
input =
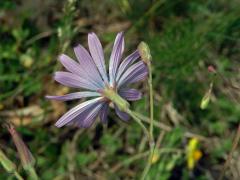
(96, 51)
(76, 111)
(135, 73)
(88, 121)
(70, 64)
(87, 117)
(104, 112)
(75, 81)
(116, 56)
(124, 116)
(76, 95)
(87, 64)
(75, 68)
(126, 63)
(130, 94)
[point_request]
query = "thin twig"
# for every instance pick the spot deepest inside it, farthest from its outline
(155, 123)
(129, 161)
(167, 128)
(39, 36)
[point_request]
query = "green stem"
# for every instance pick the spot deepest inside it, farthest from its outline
(149, 162)
(32, 173)
(152, 143)
(18, 176)
(160, 125)
(134, 116)
(151, 99)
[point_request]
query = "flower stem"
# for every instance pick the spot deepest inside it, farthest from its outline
(147, 58)
(150, 139)
(18, 176)
(152, 143)
(151, 99)
(135, 117)
(32, 173)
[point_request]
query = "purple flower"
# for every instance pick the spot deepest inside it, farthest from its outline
(90, 73)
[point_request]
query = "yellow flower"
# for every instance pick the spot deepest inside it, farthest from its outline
(193, 153)
(155, 157)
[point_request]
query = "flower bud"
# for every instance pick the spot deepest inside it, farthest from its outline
(211, 69)
(144, 52)
(23, 151)
(206, 98)
(205, 101)
(7, 164)
(155, 156)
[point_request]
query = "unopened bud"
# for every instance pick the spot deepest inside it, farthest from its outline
(211, 69)
(7, 164)
(205, 101)
(155, 156)
(25, 155)
(206, 98)
(144, 52)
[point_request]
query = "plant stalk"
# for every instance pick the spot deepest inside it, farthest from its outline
(17, 175)
(152, 143)
(135, 117)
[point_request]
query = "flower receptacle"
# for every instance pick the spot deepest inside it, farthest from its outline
(112, 95)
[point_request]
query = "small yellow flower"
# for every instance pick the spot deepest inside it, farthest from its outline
(193, 153)
(155, 157)
(197, 155)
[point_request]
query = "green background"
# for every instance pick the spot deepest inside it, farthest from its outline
(185, 37)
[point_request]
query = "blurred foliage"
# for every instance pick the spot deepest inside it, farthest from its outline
(184, 37)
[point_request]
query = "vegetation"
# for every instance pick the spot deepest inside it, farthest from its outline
(184, 37)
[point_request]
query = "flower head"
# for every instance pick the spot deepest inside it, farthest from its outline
(91, 76)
